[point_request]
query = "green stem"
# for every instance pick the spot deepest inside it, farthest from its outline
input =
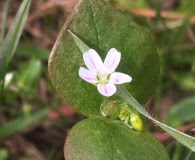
(1, 91)
(105, 100)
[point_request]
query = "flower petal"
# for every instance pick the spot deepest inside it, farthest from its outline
(119, 78)
(88, 75)
(93, 60)
(107, 89)
(8, 78)
(112, 60)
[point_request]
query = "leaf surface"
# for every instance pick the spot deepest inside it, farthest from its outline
(101, 139)
(101, 27)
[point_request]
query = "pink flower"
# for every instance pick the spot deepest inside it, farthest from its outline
(101, 74)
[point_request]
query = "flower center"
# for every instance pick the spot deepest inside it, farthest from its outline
(103, 78)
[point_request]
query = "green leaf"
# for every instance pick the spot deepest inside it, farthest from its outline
(123, 93)
(102, 139)
(8, 46)
(101, 27)
(30, 75)
(4, 154)
(32, 51)
(183, 110)
(4, 20)
(183, 138)
(128, 4)
(21, 123)
(80, 44)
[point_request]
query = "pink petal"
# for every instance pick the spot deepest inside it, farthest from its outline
(88, 75)
(93, 60)
(119, 78)
(112, 59)
(107, 89)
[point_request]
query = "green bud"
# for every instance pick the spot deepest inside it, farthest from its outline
(136, 122)
(111, 109)
(124, 112)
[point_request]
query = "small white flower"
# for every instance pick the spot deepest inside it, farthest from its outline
(8, 78)
(103, 74)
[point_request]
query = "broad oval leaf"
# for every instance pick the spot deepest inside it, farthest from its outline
(102, 139)
(101, 27)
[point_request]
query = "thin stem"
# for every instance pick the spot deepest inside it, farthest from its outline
(1, 91)
(105, 100)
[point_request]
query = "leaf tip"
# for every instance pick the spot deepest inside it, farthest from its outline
(71, 33)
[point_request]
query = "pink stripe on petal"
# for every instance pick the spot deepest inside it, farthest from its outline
(88, 75)
(106, 89)
(112, 59)
(119, 78)
(92, 60)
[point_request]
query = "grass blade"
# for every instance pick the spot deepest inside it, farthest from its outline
(6, 8)
(21, 123)
(11, 40)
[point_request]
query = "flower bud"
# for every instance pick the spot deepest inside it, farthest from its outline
(111, 109)
(136, 122)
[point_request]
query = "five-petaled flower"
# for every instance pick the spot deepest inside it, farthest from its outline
(101, 74)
